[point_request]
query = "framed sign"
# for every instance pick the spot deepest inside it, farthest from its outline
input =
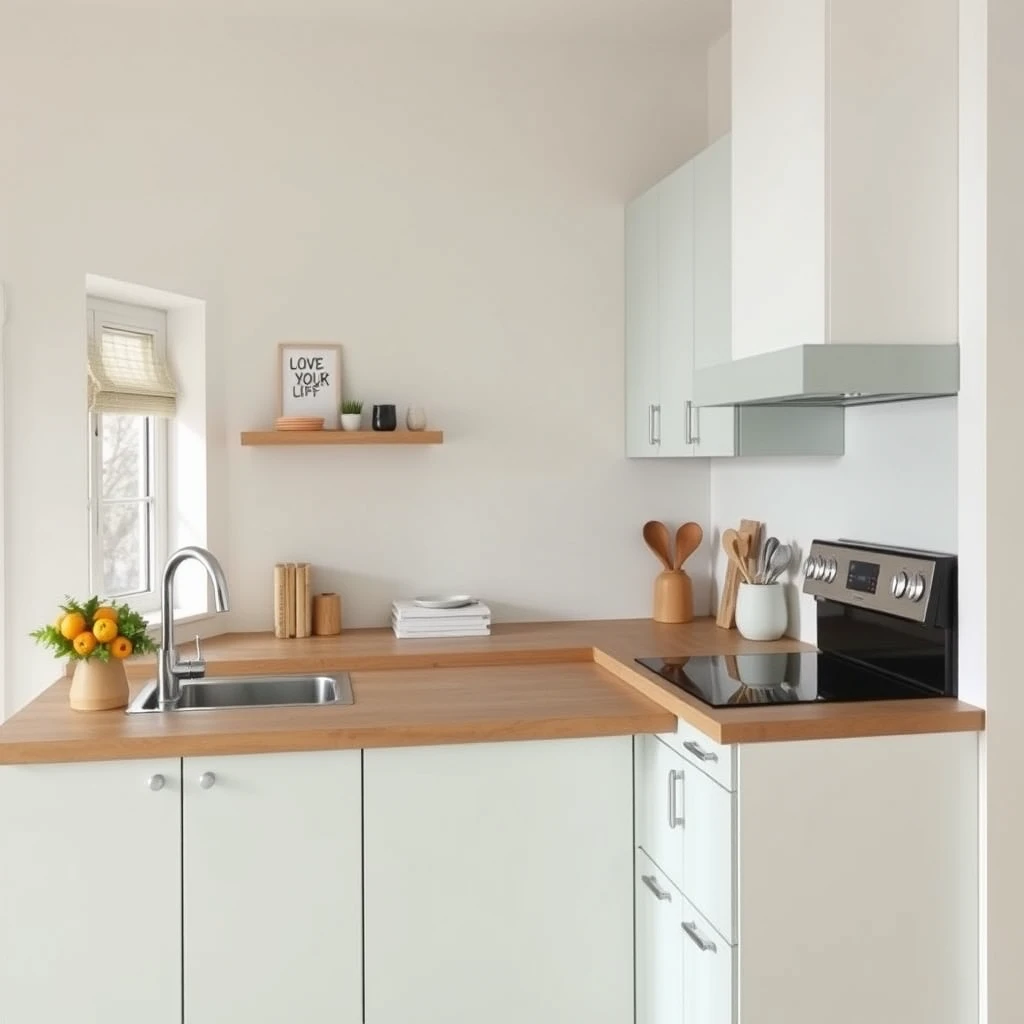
(309, 380)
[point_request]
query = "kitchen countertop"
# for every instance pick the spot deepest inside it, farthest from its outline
(544, 680)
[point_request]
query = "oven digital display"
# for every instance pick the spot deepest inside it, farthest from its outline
(862, 576)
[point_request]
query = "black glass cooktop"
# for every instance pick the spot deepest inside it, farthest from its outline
(810, 677)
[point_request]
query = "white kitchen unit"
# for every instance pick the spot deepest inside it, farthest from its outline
(845, 172)
(90, 894)
(272, 849)
(848, 891)
(499, 883)
(678, 320)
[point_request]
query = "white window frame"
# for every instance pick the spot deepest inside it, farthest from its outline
(106, 315)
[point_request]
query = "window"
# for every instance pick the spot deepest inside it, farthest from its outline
(131, 398)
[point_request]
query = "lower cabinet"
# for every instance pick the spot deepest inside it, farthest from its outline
(685, 970)
(90, 893)
(273, 888)
(498, 883)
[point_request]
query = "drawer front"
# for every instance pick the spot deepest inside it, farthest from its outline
(717, 759)
(659, 946)
(685, 824)
(709, 971)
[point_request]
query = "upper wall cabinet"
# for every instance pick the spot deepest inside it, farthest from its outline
(679, 319)
(844, 123)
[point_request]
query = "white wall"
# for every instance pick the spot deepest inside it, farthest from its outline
(450, 210)
(896, 484)
(719, 87)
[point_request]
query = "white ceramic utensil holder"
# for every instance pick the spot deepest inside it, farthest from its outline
(761, 611)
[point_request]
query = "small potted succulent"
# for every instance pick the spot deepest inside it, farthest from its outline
(98, 638)
(351, 415)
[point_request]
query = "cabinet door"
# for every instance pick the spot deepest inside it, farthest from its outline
(272, 867)
(709, 966)
(659, 947)
(641, 325)
(90, 892)
(498, 883)
(685, 824)
(714, 429)
(673, 422)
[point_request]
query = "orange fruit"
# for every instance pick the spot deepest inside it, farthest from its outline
(59, 620)
(84, 644)
(106, 612)
(71, 625)
(104, 630)
(121, 647)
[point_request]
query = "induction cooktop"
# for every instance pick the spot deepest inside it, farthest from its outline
(804, 678)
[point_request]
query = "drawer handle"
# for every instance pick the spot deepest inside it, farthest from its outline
(662, 894)
(699, 753)
(704, 945)
(675, 819)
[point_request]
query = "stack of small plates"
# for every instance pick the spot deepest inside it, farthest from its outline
(299, 423)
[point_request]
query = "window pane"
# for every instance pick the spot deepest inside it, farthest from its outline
(124, 527)
(125, 456)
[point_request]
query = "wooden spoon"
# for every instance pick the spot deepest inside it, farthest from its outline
(736, 547)
(658, 540)
(688, 538)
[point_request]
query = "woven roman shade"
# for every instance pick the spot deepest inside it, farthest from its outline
(129, 374)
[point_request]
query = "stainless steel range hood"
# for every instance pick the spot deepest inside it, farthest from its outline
(832, 375)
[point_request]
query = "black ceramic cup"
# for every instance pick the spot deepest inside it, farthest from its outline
(384, 417)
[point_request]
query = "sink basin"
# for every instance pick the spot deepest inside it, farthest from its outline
(211, 693)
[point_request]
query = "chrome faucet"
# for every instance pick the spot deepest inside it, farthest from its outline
(170, 671)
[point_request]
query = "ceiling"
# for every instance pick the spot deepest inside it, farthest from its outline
(692, 22)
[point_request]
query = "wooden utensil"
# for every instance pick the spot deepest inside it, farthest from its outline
(657, 537)
(737, 548)
(750, 529)
(688, 539)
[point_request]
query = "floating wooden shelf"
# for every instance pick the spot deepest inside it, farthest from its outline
(268, 437)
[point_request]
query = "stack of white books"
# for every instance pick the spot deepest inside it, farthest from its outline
(411, 622)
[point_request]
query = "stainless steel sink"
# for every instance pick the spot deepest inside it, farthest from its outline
(210, 693)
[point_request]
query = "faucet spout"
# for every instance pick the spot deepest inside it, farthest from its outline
(169, 670)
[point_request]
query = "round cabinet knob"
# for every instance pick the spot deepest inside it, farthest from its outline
(206, 780)
(916, 589)
(900, 582)
(157, 782)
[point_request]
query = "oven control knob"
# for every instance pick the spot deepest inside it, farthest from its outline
(811, 568)
(831, 568)
(819, 568)
(915, 590)
(900, 583)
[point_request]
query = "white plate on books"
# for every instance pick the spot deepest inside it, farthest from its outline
(451, 601)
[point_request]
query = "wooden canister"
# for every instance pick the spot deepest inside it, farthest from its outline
(326, 614)
(98, 685)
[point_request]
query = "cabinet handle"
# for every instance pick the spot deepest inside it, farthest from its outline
(657, 433)
(698, 752)
(674, 818)
(688, 422)
(650, 425)
(662, 894)
(695, 433)
(156, 782)
(704, 945)
(206, 780)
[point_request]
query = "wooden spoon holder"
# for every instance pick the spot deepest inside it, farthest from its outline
(673, 597)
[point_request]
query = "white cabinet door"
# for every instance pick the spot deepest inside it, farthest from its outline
(659, 947)
(709, 966)
(90, 893)
(714, 429)
(498, 883)
(685, 824)
(641, 325)
(673, 421)
(272, 869)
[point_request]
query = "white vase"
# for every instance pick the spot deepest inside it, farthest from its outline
(415, 418)
(761, 611)
(351, 420)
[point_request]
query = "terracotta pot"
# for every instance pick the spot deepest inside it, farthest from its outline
(99, 685)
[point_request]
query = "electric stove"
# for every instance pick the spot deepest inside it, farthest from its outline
(886, 621)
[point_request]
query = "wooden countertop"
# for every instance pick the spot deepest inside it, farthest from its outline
(526, 681)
